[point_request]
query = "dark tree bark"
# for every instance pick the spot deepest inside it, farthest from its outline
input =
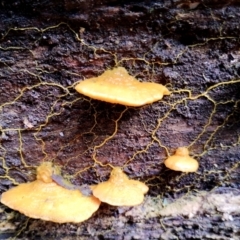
(192, 47)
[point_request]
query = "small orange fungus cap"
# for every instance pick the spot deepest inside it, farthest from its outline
(119, 190)
(45, 171)
(117, 86)
(48, 201)
(181, 161)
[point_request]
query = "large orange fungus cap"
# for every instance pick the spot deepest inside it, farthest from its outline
(117, 86)
(46, 200)
(119, 190)
(181, 161)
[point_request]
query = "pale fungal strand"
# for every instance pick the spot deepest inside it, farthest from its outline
(117, 86)
(119, 190)
(46, 200)
(181, 161)
(84, 189)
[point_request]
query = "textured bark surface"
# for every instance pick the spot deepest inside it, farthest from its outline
(191, 47)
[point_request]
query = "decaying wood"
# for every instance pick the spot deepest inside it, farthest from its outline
(192, 47)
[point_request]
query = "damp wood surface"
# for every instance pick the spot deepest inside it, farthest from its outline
(192, 47)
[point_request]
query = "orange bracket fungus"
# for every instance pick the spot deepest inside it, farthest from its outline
(117, 86)
(46, 200)
(181, 161)
(119, 190)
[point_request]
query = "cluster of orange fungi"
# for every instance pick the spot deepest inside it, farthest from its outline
(50, 200)
(46, 199)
